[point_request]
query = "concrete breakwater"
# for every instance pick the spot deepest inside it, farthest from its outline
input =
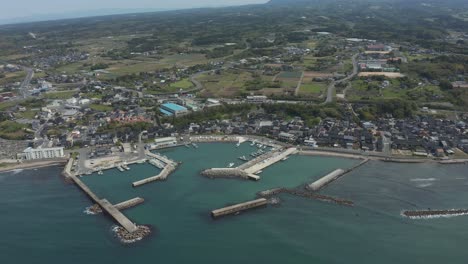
(239, 207)
(305, 194)
(318, 184)
(168, 169)
(96, 209)
(167, 165)
(417, 214)
(333, 176)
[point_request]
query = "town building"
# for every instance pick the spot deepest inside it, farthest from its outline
(171, 109)
(42, 153)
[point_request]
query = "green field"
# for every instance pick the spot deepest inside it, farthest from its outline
(313, 88)
(60, 95)
(183, 84)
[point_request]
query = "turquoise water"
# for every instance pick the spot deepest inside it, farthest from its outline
(42, 219)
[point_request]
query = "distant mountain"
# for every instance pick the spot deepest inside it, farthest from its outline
(449, 3)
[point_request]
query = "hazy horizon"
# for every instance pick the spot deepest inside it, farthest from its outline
(30, 11)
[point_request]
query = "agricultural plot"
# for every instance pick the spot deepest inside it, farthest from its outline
(226, 84)
(315, 89)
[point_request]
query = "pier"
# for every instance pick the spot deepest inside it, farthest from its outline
(333, 176)
(130, 203)
(106, 206)
(238, 207)
(168, 169)
(266, 160)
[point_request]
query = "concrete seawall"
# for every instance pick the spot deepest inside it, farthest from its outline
(130, 203)
(305, 194)
(318, 184)
(238, 207)
(332, 176)
(168, 169)
(107, 207)
(225, 173)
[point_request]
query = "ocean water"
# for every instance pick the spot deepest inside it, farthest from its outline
(42, 218)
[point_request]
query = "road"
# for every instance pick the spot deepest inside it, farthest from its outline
(331, 88)
(27, 80)
(296, 92)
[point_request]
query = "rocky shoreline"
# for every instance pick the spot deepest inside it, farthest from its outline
(224, 173)
(126, 237)
(429, 213)
(305, 194)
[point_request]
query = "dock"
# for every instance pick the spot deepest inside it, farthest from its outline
(238, 207)
(106, 206)
(130, 203)
(266, 160)
(333, 176)
(168, 169)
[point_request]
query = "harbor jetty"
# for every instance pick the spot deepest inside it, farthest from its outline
(418, 214)
(266, 160)
(96, 209)
(168, 166)
(333, 176)
(127, 231)
(239, 207)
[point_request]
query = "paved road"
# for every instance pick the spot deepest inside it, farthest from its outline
(331, 88)
(27, 80)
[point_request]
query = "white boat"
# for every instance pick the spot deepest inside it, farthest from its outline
(258, 172)
(285, 158)
(243, 158)
(100, 172)
(231, 165)
(238, 144)
(120, 169)
(253, 143)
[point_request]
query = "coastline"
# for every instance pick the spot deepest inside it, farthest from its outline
(33, 165)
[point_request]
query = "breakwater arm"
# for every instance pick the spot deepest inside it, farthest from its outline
(238, 207)
(168, 169)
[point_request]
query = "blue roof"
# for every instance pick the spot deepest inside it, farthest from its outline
(174, 107)
(165, 112)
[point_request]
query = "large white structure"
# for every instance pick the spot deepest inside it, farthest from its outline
(165, 142)
(43, 153)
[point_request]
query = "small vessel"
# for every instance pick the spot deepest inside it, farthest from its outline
(100, 172)
(258, 172)
(120, 169)
(243, 158)
(285, 158)
(125, 167)
(253, 143)
(237, 145)
(194, 145)
(231, 165)
(187, 145)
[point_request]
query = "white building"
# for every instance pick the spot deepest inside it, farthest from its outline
(256, 99)
(43, 153)
(165, 142)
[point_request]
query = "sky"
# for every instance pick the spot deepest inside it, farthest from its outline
(30, 10)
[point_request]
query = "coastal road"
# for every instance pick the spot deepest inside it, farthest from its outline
(331, 88)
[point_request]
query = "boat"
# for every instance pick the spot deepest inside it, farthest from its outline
(285, 158)
(187, 145)
(243, 158)
(253, 143)
(194, 145)
(120, 169)
(231, 165)
(124, 166)
(100, 172)
(258, 172)
(238, 144)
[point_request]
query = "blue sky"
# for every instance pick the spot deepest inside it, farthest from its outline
(14, 9)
